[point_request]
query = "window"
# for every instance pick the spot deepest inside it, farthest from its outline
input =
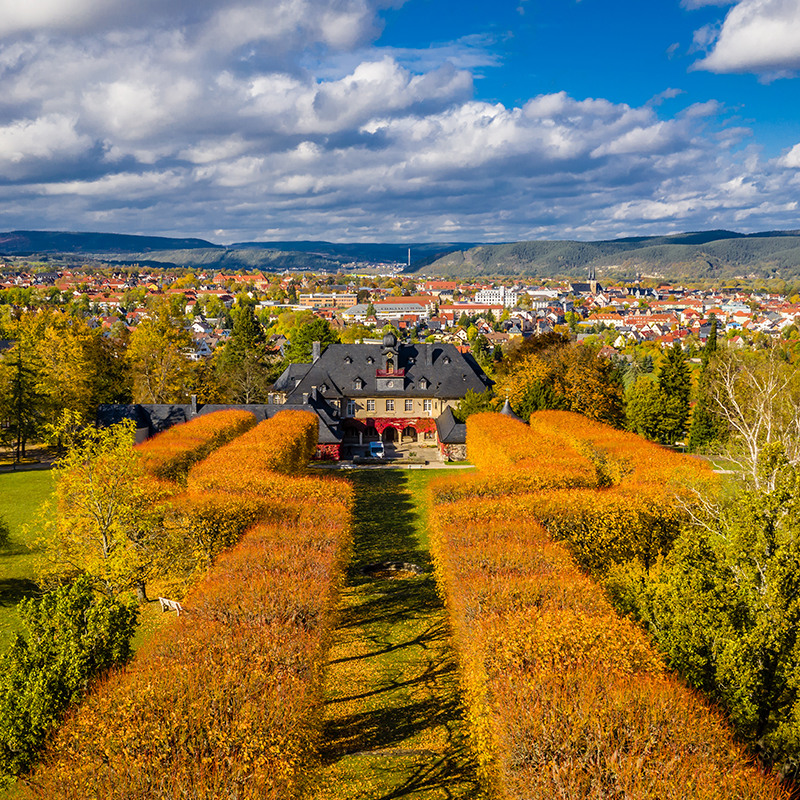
(426, 405)
(370, 405)
(358, 384)
(390, 405)
(423, 384)
(409, 405)
(351, 408)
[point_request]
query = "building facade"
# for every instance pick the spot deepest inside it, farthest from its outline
(389, 391)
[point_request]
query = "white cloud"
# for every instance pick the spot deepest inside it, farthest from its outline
(281, 119)
(792, 158)
(760, 36)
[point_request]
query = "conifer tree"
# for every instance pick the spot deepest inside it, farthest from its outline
(675, 386)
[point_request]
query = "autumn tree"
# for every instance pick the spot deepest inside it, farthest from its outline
(158, 355)
(109, 522)
(556, 374)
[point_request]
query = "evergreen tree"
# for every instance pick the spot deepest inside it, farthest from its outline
(675, 387)
(704, 428)
(299, 349)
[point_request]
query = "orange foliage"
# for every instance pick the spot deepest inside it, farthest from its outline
(564, 697)
(170, 454)
(224, 702)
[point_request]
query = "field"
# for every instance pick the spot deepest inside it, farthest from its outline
(21, 496)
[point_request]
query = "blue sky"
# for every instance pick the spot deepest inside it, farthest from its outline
(362, 120)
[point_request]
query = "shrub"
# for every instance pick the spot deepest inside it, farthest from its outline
(72, 635)
(564, 697)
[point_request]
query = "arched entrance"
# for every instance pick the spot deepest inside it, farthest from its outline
(390, 435)
(409, 434)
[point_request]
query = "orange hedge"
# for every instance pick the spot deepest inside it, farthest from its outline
(564, 697)
(225, 702)
(170, 454)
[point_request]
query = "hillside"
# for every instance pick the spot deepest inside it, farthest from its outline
(29, 242)
(719, 255)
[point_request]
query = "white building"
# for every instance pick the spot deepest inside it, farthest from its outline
(497, 297)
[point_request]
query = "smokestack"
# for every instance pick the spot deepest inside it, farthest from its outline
(316, 351)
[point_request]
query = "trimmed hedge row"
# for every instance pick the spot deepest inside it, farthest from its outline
(565, 698)
(169, 455)
(225, 702)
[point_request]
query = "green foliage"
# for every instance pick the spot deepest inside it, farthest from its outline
(299, 349)
(473, 403)
(675, 386)
(726, 608)
(71, 636)
(110, 514)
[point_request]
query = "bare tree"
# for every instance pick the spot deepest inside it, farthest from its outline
(757, 395)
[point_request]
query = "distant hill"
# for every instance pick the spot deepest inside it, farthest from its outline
(30, 242)
(718, 255)
(272, 256)
(712, 255)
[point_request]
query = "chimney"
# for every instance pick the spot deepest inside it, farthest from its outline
(315, 352)
(428, 355)
(193, 411)
(305, 398)
(314, 393)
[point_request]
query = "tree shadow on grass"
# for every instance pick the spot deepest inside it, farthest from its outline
(404, 627)
(12, 590)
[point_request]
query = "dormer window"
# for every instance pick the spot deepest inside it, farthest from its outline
(358, 383)
(348, 360)
(447, 359)
(423, 384)
(323, 388)
(370, 360)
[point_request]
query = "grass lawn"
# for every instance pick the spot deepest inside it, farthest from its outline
(393, 723)
(21, 495)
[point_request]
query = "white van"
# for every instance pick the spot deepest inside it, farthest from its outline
(376, 450)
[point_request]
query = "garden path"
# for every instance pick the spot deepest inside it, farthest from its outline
(393, 725)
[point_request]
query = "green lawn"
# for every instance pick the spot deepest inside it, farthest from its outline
(21, 496)
(393, 723)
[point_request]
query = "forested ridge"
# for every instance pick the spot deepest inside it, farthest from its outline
(719, 255)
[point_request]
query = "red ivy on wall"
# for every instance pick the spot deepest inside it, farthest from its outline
(332, 451)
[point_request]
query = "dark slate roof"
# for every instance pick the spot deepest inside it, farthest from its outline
(108, 414)
(450, 431)
(341, 365)
(509, 412)
(158, 417)
(290, 377)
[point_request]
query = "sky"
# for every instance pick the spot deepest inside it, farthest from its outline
(383, 120)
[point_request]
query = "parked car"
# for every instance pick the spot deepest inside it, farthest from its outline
(376, 450)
